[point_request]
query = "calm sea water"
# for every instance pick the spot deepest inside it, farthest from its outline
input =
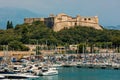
(74, 73)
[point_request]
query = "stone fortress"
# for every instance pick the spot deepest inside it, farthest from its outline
(62, 21)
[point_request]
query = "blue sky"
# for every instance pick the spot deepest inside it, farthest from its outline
(107, 10)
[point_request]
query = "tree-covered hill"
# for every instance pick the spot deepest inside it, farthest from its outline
(30, 34)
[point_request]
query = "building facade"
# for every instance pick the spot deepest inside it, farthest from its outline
(62, 21)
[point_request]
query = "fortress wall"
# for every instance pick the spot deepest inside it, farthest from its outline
(31, 20)
(16, 54)
(61, 25)
(28, 20)
(62, 21)
(89, 20)
(96, 26)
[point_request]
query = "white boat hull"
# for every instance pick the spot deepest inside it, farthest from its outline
(18, 76)
(2, 77)
(52, 72)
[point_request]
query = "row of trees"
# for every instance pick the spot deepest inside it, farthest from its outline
(30, 34)
(9, 25)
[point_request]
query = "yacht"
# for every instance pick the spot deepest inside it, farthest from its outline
(6, 73)
(47, 71)
(2, 77)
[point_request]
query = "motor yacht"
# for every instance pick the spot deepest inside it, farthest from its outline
(47, 71)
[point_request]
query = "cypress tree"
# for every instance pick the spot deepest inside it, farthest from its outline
(9, 25)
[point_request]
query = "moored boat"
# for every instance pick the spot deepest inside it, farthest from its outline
(47, 71)
(6, 73)
(2, 77)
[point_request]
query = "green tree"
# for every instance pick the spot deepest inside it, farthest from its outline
(24, 34)
(9, 25)
(17, 46)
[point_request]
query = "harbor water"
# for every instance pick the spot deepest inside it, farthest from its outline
(74, 73)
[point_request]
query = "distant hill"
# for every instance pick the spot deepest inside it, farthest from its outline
(16, 15)
(113, 27)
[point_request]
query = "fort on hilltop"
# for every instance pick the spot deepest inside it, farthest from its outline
(61, 21)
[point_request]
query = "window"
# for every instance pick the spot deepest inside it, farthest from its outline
(85, 19)
(59, 18)
(75, 24)
(89, 19)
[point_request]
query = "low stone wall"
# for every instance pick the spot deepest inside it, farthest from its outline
(16, 54)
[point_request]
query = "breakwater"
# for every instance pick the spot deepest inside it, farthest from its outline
(99, 66)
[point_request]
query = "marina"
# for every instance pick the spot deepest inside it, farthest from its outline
(56, 65)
